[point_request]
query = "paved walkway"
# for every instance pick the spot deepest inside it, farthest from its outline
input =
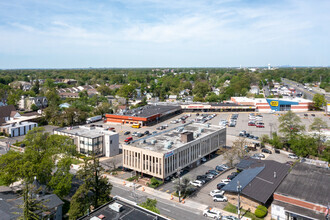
(163, 195)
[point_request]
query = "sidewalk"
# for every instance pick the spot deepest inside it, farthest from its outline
(165, 196)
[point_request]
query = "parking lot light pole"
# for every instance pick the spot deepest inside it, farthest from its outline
(239, 188)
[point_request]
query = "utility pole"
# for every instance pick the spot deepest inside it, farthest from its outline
(178, 174)
(271, 130)
(239, 187)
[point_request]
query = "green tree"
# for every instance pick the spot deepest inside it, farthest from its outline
(103, 108)
(31, 205)
(96, 183)
(317, 125)
(183, 185)
(79, 204)
(34, 107)
(36, 87)
(201, 89)
(150, 204)
(104, 90)
(303, 146)
(212, 97)
(290, 125)
(318, 100)
(127, 91)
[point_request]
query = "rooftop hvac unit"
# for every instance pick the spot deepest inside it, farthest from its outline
(168, 145)
(201, 130)
(153, 141)
(180, 129)
(116, 207)
(207, 125)
(196, 135)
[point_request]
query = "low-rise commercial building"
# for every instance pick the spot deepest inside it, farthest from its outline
(304, 194)
(258, 181)
(18, 128)
(88, 140)
(281, 104)
(163, 154)
(144, 115)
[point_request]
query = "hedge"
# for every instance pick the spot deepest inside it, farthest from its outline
(261, 211)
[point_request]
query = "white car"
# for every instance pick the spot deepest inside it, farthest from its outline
(196, 183)
(293, 156)
(210, 176)
(216, 192)
(220, 198)
(173, 122)
(212, 213)
(230, 217)
(224, 166)
(225, 181)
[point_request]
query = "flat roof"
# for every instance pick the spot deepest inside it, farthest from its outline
(130, 211)
(150, 110)
(159, 142)
(85, 131)
(307, 182)
(19, 124)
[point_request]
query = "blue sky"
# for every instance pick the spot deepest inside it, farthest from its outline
(163, 33)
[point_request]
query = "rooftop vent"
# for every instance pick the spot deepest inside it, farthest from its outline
(168, 145)
(153, 141)
(116, 207)
(187, 137)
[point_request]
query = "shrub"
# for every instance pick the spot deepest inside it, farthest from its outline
(261, 211)
(154, 183)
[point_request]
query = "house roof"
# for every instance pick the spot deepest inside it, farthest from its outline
(6, 111)
(259, 178)
(129, 211)
(307, 182)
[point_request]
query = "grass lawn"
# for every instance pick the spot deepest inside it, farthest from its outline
(233, 209)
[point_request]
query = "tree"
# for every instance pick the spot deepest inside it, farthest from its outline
(96, 183)
(319, 100)
(183, 185)
(79, 204)
(201, 89)
(42, 150)
(290, 125)
(31, 205)
(212, 97)
(236, 152)
(127, 91)
(36, 87)
(34, 107)
(150, 204)
(103, 108)
(317, 125)
(303, 145)
(104, 90)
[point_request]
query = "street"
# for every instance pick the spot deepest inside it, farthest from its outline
(166, 207)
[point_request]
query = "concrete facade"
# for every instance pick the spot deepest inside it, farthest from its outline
(166, 152)
(18, 129)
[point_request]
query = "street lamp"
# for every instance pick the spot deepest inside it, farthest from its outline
(239, 188)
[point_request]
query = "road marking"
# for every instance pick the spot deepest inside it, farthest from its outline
(167, 191)
(161, 189)
(167, 210)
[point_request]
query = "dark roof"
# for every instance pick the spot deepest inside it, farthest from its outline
(5, 111)
(151, 110)
(307, 182)
(10, 201)
(130, 211)
(244, 178)
(261, 185)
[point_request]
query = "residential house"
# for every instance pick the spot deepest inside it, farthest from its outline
(172, 98)
(255, 90)
(25, 86)
(7, 113)
(26, 102)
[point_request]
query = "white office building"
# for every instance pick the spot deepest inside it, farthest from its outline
(90, 140)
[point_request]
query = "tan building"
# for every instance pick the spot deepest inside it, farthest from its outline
(163, 154)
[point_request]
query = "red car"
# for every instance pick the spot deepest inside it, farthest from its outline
(251, 123)
(260, 125)
(128, 139)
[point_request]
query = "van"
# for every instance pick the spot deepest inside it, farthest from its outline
(136, 126)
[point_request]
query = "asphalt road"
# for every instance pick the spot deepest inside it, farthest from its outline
(300, 88)
(166, 208)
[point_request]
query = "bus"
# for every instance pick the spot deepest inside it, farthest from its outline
(136, 126)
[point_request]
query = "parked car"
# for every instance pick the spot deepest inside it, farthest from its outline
(251, 123)
(146, 132)
(266, 151)
(225, 181)
(260, 125)
(197, 183)
(230, 177)
(277, 151)
(154, 132)
(229, 217)
(127, 133)
(219, 168)
(220, 198)
(201, 177)
(139, 135)
(210, 176)
(212, 213)
(305, 115)
(313, 115)
(128, 139)
(216, 192)
(260, 155)
(220, 186)
(293, 156)
(213, 172)
(160, 128)
(224, 166)
(203, 159)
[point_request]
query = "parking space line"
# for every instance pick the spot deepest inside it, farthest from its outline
(161, 189)
(167, 191)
